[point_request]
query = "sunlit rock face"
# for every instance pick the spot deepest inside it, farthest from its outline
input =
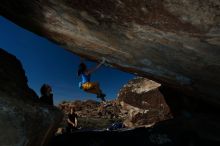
(174, 42)
(143, 102)
(23, 121)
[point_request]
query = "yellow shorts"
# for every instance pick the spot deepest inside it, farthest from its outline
(91, 87)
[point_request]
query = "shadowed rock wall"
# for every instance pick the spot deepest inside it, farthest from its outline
(23, 121)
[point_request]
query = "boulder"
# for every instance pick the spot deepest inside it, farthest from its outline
(143, 101)
(173, 42)
(23, 121)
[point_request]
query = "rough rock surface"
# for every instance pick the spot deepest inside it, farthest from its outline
(144, 102)
(174, 42)
(23, 121)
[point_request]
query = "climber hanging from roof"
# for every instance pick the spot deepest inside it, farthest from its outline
(86, 84)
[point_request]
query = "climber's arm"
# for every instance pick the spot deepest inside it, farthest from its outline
(95, 68)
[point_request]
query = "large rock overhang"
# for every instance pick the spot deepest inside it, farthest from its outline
(175, 43)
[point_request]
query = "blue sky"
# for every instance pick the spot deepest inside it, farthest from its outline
(46, 62)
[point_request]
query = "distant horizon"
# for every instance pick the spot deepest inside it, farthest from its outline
(47, 62)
